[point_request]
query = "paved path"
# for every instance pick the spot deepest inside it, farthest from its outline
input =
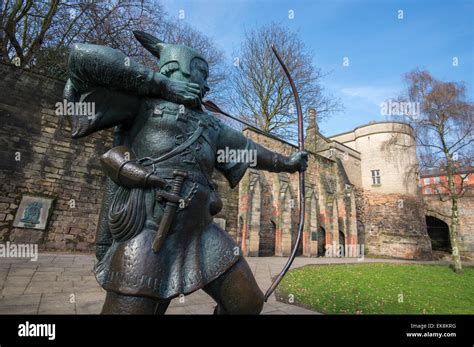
(59, 283)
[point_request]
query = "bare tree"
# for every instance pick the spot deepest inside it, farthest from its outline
(444, 137)
(24, 26)
(260, 93)
(38, 33)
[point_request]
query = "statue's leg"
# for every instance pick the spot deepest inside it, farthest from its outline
(124, 304)
(236, 291)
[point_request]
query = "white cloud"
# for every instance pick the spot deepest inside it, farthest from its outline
(374, 95)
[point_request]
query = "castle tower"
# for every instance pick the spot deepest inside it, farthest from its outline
(388, 156)
(390, 211)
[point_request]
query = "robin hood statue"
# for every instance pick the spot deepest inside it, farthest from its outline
(156, 239)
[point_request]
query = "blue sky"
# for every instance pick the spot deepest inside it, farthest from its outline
(380, 47)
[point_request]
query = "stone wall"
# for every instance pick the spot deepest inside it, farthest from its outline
(54, 165)
(269, 210)
(440, 209)
(393, 225)
(37, 156)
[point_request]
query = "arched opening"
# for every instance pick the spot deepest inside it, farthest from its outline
(267, 239)
(342, 243)
(438, 232)
(312, 238)
(321, 242)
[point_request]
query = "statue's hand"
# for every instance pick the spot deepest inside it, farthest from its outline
(185, 93)
(299, 161)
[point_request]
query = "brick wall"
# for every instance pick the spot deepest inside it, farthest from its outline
(51, 164)
(394, 225)
(54, 165)
(439, 209)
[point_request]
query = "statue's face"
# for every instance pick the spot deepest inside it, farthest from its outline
(199, 74)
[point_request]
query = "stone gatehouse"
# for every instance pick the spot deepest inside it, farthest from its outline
(360, 190)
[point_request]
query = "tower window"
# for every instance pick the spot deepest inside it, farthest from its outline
(375, 177)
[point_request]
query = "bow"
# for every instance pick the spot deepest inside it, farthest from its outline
(301, 179)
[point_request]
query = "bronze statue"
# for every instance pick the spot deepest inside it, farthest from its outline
(156, 239)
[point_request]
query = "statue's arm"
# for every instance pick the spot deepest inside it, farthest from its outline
(261, 158)
(94, 65)
(105, 109)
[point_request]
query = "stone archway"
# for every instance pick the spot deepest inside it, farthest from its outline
(267, 249)
(342, 243)
(321, 242)
(438, 231)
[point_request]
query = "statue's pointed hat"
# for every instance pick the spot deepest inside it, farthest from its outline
(169, 53)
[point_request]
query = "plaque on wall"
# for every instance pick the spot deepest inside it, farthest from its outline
(34, 212)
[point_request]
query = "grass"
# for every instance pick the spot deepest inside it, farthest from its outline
(380, 289)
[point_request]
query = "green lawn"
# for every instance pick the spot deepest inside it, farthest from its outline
(380, 288)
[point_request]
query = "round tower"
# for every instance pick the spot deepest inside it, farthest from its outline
(388, 156)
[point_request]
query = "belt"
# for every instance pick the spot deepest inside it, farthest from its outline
(195, 176)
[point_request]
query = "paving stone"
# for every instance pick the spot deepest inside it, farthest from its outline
(62, 278)
(56, 304)
(13, 290)
(17, 280)
(177, 310)
(49, 287)
(50, 269)
(78, 272)
(87, 289)
(56, 277)
(20, 300)
(44, 276)
(201, 308)
(276, 312)
(293, 309)
(22, 272)
(21, 309)
(92, 307)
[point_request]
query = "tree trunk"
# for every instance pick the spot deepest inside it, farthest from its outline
(453, 236)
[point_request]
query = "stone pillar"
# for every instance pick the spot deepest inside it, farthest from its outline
(284, 206)
(250, 205)
(254, 217)
(310, 240)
